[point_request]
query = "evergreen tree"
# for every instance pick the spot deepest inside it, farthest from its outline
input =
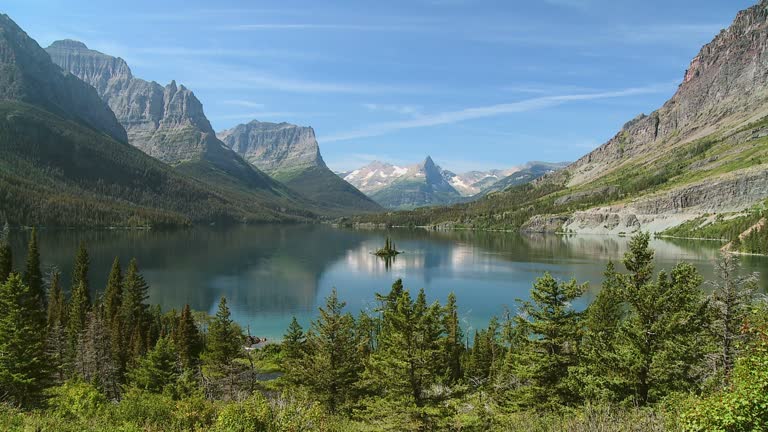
(664, 331)
(730, 300)
(159, 370)
(23, 364)
(94, 362)
(452, 343)
(80, 271)
(33, 275)
(293, 341)
(56, 304)
(77, 313)
(113, 294)
(599, 371)
(187, 339)
(553, 329)
(332, 366)
(6, 254)
(224, 340)
(56, 344)
(134, 312)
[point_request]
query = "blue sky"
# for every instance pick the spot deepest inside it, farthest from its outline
(476, 84)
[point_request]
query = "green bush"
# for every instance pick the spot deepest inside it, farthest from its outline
(77, 400)
(252, 414)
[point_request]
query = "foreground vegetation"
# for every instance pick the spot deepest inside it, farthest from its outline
(651, 353)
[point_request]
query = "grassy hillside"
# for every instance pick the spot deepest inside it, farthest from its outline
(330, 194)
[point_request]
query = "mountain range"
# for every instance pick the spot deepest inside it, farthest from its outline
(704, 152)
(427, 184)
(66, 158)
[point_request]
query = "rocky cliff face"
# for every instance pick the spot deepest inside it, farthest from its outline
(725, 84)
(291, 154)
(167, 123)
(27, 75)
(275, 147)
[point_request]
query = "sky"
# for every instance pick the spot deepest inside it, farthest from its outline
(476, 84)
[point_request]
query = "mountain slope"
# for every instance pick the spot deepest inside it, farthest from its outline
(65, 160)
(291, 154)
(167, 123)
(522, 175)
(704, 151)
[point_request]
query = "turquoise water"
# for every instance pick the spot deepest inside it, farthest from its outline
(271, 273)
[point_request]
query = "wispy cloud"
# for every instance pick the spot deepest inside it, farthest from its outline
(217, 76)
(449, 117)
(244, 103)
(323, 27)
(406, 110)
(256, 115)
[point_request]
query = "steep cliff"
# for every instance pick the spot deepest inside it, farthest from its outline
(291, 154)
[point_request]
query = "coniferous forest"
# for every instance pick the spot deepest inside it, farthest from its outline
(655, 350)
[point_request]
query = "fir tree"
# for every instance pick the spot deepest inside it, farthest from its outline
(159, 370)
(33, 275)
(332, 366)
(664, 330)
(452, 343)
(6, 254)
(293, 341)
(730, 300)
(113, 294)
(553, 328)
(600, 367)
(134, 312)
(23, 364)
(80, 271)
(77, 313)
(94, 362)
(187, 339)
(224, 340)
(56, 304)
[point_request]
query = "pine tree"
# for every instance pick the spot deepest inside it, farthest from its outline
(56, 304)
(134, 312)
(94, 362)
(553, 328)
(79, 306)
(224, 340)
(187, 339)
(452, 345)
(331, 366)
(293, 341)
(33, 276)
(80, 271)
(56, 343)
(6, 254)
(665, 324)
(23, 364)
(730, 301)
(159, 370)
(599, 371)
(113, 294)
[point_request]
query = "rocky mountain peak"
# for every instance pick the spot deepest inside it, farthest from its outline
(166, 122)
(31, 77)
(723, 85)
(275, 147)
(69, 44)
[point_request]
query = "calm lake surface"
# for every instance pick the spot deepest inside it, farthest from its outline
(271, 273)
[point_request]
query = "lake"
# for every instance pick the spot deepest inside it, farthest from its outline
(271, 273)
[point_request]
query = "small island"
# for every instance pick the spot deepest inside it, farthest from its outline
(388, 251)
